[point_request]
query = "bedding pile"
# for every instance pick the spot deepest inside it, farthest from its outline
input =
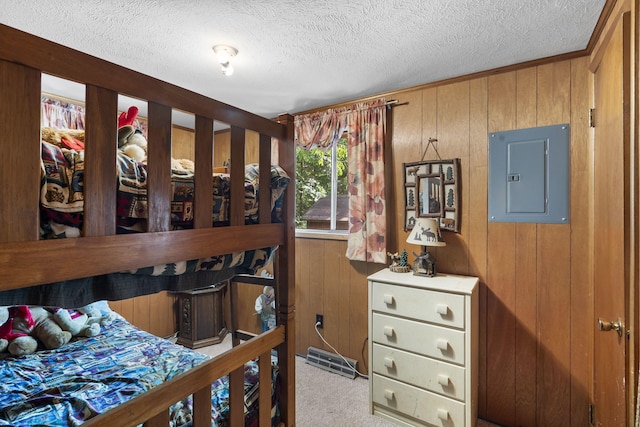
(62, 198)
(88, 376)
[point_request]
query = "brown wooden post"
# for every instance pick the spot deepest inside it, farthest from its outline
(20, 171)
(101, 140)
(204, 166)
(285, 275)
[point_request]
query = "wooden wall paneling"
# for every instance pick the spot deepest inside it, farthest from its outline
(166, 304)
(303, 311)
(501, 274)
(476, 206)
(116, 306)
(534, 277)
(554, 353)
(343, 302)
(358, 320)
(554, 261)
(406, 143)
(526, 341)
(252, 147)
(182, 143)
(582, 310)
(316, 289)
(126, 309)
(554, 94)
(453, 141)
(429, 130)
(221, 147)
(153, 313)
(333, 296)
(141, 312)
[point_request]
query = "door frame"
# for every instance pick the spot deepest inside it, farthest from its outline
(626, 12)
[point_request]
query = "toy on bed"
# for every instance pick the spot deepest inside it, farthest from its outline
(76, 322)
(84, 321)
(132, 142)
(99, 312)
(21, 325)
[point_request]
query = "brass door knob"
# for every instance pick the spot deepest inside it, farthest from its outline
(604, 325)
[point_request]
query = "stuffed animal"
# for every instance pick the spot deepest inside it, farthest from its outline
(266, 307)
(98, 312)
(7, 334)
(21, 325)
(76, 322)
(132, 142)
(182, 166)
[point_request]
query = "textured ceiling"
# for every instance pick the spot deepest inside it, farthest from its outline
(296, 55)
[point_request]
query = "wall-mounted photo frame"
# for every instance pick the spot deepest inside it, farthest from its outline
(432, 190)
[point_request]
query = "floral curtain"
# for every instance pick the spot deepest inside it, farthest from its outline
(320, 130)
(365, 124)
(367, 202)
(61, 115)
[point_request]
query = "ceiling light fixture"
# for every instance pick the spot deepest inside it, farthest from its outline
(224, 54)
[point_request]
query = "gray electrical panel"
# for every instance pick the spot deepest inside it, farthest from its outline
(529, 175)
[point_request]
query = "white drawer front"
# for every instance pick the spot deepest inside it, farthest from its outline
(421, 304)
(417, 403)
(429, 340)
(440, 377)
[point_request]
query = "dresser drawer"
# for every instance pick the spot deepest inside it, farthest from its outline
(421, 304)
(416, 403)
(420, 371)
(429, 340)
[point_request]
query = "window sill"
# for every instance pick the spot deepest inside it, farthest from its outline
(322, 234)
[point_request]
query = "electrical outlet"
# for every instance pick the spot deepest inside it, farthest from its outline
(320, 320)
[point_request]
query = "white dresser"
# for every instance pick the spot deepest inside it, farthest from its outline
(423, 348)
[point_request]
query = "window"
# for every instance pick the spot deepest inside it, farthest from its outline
(321, 188)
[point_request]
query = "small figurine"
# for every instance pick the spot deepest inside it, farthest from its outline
(399, 262)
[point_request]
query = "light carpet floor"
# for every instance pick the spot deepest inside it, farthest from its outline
(327, 399)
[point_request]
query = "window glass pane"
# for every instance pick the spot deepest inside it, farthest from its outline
(314, 176)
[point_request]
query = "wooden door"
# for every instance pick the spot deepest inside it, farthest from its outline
(612, 219)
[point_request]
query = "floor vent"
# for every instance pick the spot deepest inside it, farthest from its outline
(332, 362)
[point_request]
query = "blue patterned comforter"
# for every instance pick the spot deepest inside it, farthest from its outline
(89, 376)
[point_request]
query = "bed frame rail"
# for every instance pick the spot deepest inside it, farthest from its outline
(152, 407)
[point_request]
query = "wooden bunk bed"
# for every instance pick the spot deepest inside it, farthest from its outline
(26, 260)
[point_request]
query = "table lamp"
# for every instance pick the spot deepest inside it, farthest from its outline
(426, 232)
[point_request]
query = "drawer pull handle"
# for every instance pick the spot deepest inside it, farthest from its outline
(388, 362)
(388, 394)
(443, 414)
(443, 344)
(388, 331)
(443, 380)
(442, 309)
(388, 299)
